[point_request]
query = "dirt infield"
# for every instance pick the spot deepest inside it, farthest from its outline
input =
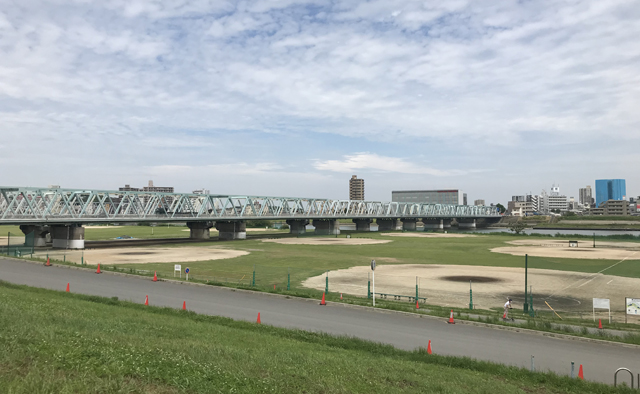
(448, 285)
(145, 255)
(327, 241)
(427, 235)
(560, 248)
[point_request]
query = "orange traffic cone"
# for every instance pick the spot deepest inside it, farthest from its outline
(48, 263)
(258, 321)
(323, 302)
(274, 287)
(98, 271)
(417, 305)
(580, 374)
(184, 305)
(504, 315)
(340, 296)
(67, 287)
(155, 276)
(451, 318)
(146, 300)
(600, 324)
(429, 347)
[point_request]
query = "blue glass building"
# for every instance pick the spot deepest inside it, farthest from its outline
(610, 189)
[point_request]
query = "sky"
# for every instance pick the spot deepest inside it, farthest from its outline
(291, 98)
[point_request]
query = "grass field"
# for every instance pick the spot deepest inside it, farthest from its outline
(83, 344)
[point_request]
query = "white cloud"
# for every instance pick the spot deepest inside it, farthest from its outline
(374, 162)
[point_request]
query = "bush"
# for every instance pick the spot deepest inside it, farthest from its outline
(259, 223)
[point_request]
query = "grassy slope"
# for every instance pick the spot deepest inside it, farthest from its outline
(85, 344)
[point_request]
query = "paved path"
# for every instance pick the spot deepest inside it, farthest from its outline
(404, 331)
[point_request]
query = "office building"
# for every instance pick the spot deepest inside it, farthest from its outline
(356, 188)
(610, 189)
(449, 196)
(128, 188)
(616, 208)
(479, 203)
(557, 202)
(585, 196)
(201, 191)
(519, 208)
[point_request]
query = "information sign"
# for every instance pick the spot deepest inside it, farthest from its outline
(633, 306)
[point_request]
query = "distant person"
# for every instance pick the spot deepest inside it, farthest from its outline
(507, 306)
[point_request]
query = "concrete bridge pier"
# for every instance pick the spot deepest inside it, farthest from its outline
(409, 224)
(67, 236)
(433, 224)
(297, 226)
(362, 224)
(387, 224)
(466, 223)
(326, 227)
(232, 230)
(446, 224)
(199, 230)
(39, 236)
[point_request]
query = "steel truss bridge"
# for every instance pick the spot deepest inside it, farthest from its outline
(28, 205)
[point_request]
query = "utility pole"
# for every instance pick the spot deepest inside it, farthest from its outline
(526, 303)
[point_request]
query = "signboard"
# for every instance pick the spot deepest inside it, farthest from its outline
(373, 265)
(601, 303)
(632, 306)
(178, 268)
(186, 270)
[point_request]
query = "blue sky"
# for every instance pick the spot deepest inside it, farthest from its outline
(292, 98)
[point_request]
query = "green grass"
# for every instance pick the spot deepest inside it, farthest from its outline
(86, 344)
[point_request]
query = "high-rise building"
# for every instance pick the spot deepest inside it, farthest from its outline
(585, 196)
(356, 188)
(450, 196)
(557, 202)
(158, 189)
(610, 189)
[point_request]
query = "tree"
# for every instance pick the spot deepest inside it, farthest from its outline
(517, 227)
(501, 208)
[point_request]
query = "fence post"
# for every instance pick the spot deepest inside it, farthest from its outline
(368, 286)
(416, 289)
(572, 369)
(288, 279)
(326, 286)
(470, 296)
(253, 282)
(526, 264)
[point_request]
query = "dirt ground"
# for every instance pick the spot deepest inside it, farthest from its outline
(145, 255)
(15, 240)
(448, 285)
(327, 241)
(427, 235)
(560, 248)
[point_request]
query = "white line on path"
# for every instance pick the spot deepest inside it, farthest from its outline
(610, 281)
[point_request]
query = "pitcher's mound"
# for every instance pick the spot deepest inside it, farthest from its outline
(327, 241)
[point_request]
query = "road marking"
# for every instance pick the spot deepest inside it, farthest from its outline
(610, 281)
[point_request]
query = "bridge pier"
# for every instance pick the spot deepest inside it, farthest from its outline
(446, 224)
(362, 224)
(199, 230)
(387, 224)
(409, 224)
(297, 226)
(39, 234)
(232, 230)
(326, 227)
(466, 223)
(67, 236)
(433, 224)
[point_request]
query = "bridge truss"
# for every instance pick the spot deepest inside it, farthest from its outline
(23, 205)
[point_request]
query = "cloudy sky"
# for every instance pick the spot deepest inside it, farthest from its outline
(278, 97)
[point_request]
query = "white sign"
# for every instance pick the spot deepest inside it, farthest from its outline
(633, 306)
(601, 303)
(177, 267)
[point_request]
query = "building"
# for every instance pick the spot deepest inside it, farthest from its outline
(356, 188)
(449, 196)
(479, 203)
(610, 189)
(540, 203)
(201, 191)
(519, 208)
(128, 188)
(557, 202)
(157, 189)
(616, 207)
(585, 196)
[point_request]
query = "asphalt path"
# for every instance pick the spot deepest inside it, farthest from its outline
(405, 331)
